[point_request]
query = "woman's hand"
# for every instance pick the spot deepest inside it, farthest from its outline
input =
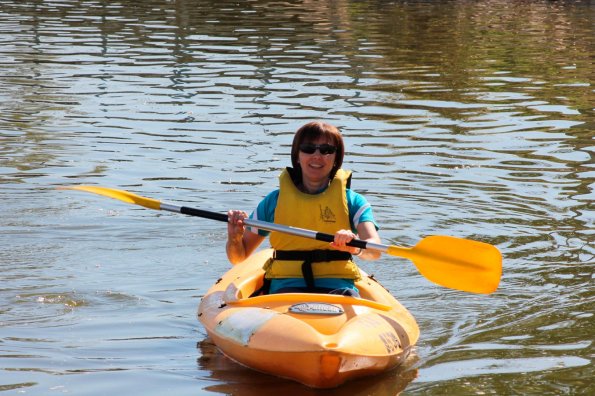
(240, 244)
(235, 225)
(366, 232)
(235, 236)
(342, 238)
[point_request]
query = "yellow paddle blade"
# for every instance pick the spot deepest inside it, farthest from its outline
(121, 195)
(456, 263)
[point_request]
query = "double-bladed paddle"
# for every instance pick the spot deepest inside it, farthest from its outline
(455, 263)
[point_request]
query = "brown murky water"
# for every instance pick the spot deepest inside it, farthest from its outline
(466, 118)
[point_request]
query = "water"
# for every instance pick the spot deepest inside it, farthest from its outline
(463, 118)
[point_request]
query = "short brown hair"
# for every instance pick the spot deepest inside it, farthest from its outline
(313, 131)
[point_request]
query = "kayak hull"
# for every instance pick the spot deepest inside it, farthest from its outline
(319, 340)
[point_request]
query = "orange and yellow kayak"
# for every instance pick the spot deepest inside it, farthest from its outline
(320, 340)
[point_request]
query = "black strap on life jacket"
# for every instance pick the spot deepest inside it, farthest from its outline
(308, 257)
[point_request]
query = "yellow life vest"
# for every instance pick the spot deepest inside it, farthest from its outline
(325, 212)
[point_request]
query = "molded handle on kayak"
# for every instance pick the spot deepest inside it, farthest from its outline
(232, 295)
(308, 297)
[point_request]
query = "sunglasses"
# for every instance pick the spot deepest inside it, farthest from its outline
(325, 149)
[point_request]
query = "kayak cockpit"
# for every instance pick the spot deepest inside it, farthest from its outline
(239, 293)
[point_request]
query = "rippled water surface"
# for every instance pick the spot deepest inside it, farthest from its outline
(466, 118)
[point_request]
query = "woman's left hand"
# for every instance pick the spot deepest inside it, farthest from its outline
(366, 231)
(342, 238)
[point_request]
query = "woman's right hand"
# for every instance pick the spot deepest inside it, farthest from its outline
(235, 225)
(240, 244)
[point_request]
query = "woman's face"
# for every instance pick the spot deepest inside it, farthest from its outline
(316, 166)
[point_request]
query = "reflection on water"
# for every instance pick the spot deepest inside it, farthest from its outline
(472, 119)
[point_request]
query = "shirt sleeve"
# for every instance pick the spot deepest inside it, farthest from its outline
(265, 211)
(360, 210)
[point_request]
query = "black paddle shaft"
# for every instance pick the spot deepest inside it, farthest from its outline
(204, 213)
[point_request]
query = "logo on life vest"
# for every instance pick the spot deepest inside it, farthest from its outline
(327, 215)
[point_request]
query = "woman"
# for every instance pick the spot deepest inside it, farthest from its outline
(314, 194)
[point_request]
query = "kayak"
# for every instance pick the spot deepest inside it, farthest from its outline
(319, 340)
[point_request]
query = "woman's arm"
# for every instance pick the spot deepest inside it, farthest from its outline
(367, 232)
